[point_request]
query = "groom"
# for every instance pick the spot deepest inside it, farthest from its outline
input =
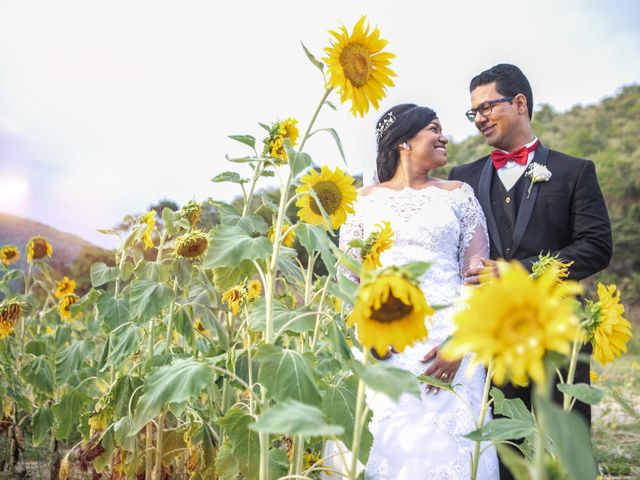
(564, 215)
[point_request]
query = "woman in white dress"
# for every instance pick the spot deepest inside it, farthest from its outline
(440, 222)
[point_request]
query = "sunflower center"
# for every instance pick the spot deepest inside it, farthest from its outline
(391, 310)
(9, 254)
(39, 249)
(356, 63)
(330, 197)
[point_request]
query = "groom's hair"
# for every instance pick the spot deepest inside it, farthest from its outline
(510, 81)
(397, 125)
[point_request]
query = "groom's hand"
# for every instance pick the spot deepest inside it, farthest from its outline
(473, 275)
(440, 368)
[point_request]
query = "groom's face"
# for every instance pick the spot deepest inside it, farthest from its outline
(499, 126)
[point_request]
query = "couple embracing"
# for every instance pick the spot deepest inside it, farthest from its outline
(486, 210)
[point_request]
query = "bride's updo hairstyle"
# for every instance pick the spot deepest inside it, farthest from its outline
(398, 125)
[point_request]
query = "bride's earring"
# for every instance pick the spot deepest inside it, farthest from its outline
(406, 146)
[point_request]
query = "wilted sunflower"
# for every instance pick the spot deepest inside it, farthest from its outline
(148, 219)
(358, 67)
(608, 331)
(254, 289)
(376, 243)
(10, 313)
(548, 261)
(37, 248)
(192, 245)
(234, 296)
(65, 303)
(514, 320)
(192, 211)
(336, 193)
(9, 254)
(65, 287)
(281, 131)
(390, 310)
(287, 240)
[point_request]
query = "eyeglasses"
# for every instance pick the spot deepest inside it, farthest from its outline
(485, 109)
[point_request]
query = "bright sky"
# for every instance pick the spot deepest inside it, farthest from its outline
(107, 107)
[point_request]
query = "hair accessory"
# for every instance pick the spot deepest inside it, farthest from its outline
(384, 125)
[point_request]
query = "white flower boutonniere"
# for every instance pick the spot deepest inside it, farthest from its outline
(537, 173)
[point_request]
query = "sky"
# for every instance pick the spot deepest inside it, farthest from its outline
(108, 107)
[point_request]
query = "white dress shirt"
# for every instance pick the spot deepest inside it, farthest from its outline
(510, 172)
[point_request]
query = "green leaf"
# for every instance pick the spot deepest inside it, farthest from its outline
(249, 224)
(223, 209)
(281, 315)
(147, 299)
(571, 440)
(245, 444)
(295, 418)
(389, 380)
(318, 64)
(41, 423)
(230, 245)
(416, 269)
(511, 408)
(36, 347)
(583, 392)
(127, 343)
(101, 274)
(232, 177)
(287, 374)
(173, 221)
(429, 380)
(339, 341)
(246, 139)
(113, 311)
(174, 383)
(298, 161)
(67, 413)
(514, 461)
(336, 137)
(226, 464)
(120, 395)
(314, 238)
(38, 374)
(502, 429)
(348, 261)
(68, 361)
(183, 271)
(339, 404)
(226, 277)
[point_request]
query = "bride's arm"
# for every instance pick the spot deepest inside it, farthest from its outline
(474, 240)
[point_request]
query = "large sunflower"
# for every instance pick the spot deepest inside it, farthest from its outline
(390, 310)
(336, 193)
(358, 67)
(514, 320)
(37, 248)
(9, 254)
(281, 131)
(65, 287)
(608, 330)
(378, 242)
(192, 245)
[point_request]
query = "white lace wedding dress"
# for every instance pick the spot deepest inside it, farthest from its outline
(421, 438)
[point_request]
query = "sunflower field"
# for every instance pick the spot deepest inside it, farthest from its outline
(223, 354)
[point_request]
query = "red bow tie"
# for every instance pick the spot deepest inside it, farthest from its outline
(500, 158)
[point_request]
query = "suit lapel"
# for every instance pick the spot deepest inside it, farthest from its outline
(528, 201)
(484, 197)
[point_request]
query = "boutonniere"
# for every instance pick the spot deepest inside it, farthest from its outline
(537, 173)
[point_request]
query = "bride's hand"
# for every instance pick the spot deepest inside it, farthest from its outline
(441, 369)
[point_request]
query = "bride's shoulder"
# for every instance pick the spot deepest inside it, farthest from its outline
(451, 185)
(368, 190)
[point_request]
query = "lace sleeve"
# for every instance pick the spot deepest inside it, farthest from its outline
(350, 230)
(474, 241)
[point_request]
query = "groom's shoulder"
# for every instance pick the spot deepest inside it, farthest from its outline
(569, 161)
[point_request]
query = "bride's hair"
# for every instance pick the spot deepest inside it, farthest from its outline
(396, 126)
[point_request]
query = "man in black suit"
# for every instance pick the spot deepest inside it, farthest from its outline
(564, 215)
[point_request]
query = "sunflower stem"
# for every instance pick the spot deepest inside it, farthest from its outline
(541, 393)
(359, 421)
(483, 412)
(169, 341)
(316, 328)
(575, 350)
(249, 198)
(298, 450)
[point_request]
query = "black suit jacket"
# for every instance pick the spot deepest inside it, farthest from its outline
(565, 215)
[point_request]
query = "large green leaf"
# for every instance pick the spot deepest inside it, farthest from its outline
(38, 374)
(514, 461)
(339, 405)
(174, 383)
(147, 298)
(287, 374)
(101, 274)
(298, 161)
(68, 361)
(226, 463)
(583, 392)
(232, 177)
(510, 407)
(36, 347)
(120, 396)
(389, 380)
(249, 224)
(246, 139)
(41, 423)
(314, 238)
(336, 335)
(281, 316)
(126, 343)
(230, 245)
(226, 277)
(295, 418)
(67, 413)
(113, 311)
(245, 443)
(502, 429)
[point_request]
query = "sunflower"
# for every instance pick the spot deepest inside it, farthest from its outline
(548, 261)
(10, 313)
(64, 287)
(234, 296)
(192, 211)
(254, 289)
(390, 309)
(286, 236)
(608, 331)
(336, 193)
(279, 132)
(192, 245)
(65, 303)
(377, 243)
(9, 254)
(514, 320)
(37, 248)
(148, 219)
(358, 67)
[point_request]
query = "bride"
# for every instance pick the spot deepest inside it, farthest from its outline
(440, 222)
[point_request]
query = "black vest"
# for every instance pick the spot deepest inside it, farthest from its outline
(504, 206)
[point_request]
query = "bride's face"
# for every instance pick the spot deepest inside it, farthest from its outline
(428, 147)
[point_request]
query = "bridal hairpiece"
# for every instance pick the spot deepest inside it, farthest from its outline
(384, 125)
